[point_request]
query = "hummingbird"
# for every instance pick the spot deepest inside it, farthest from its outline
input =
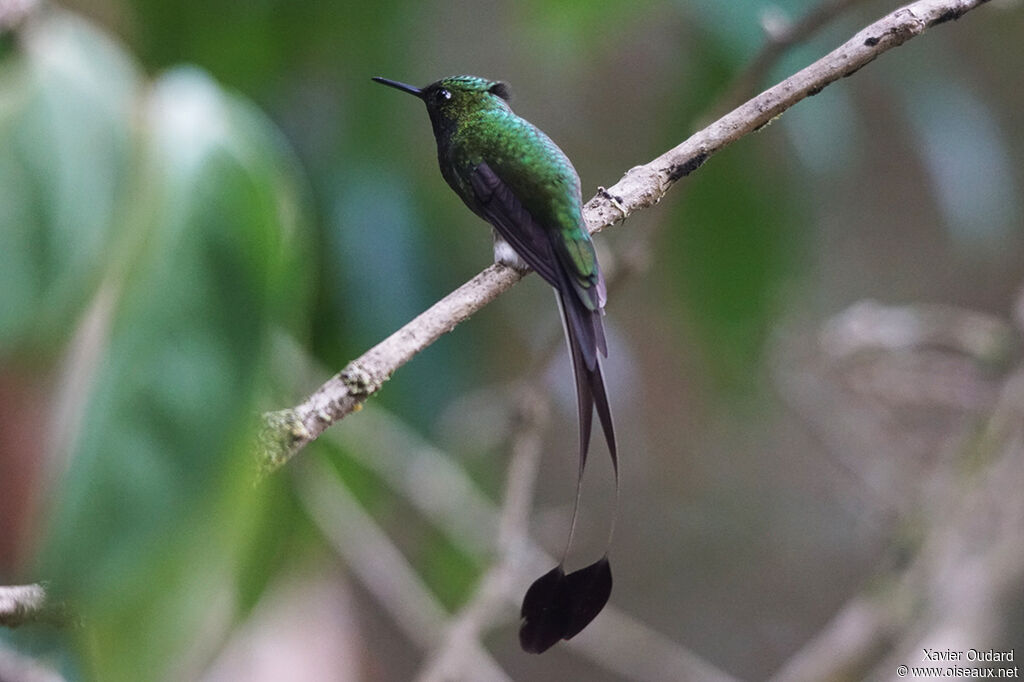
(508, 172)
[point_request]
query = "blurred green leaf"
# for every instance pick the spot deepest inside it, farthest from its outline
(151, 520)
(450, 572)
(65, 147)
(729, 256)
(448, 569)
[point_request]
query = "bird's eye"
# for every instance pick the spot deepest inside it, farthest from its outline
(442, 95)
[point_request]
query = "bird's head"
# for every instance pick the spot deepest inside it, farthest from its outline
(451, 99)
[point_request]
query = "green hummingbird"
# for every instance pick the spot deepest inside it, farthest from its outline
(508, 172)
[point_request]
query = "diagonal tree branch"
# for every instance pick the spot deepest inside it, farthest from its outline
(466, 629)
(779, 40)
(285, 432)
(381, 567)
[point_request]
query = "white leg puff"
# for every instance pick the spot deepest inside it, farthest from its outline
(506, 255)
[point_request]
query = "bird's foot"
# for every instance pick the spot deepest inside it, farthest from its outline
(615, 201)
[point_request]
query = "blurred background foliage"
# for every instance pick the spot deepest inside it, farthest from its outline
(184, 184)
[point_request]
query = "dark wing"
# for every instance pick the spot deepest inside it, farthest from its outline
(551, 258)
(584, 330)
(505, 212)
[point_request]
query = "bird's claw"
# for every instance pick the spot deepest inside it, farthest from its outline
(614, 200)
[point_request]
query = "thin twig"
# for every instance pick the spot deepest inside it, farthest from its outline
(380, 566)
(872, 326)
(965, 517)
(918, 355)
(467, 627)
(285, 432)
(968, 562)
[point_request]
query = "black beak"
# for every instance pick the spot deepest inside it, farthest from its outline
(400, 86)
